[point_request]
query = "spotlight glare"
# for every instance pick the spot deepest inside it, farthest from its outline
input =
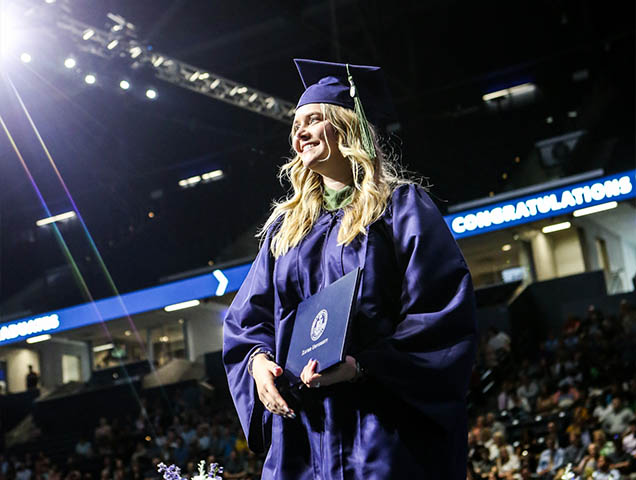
(26, 58)
(70, 63)
(90, 79)
(124, 85)
(151, 94)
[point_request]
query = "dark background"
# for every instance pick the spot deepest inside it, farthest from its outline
(121, 155)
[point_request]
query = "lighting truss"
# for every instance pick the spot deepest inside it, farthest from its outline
(121, 42)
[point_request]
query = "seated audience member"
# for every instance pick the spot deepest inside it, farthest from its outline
(496, 444)
(588, 462)
(545, 400)
(606, 447)
(575, 451)
(234, 467)
(565, 396)
(518, 405)
(528, 389)
(550, 459)
(498, 340)
(603, 471)
(629, 439)
(507, 463)
(481, 464)
(479, 425)
(617, 418)
(180, 452)
(140, 452)
(504, 397)
(494, 424)
(620, 459)
(84, 448)
(103, 432)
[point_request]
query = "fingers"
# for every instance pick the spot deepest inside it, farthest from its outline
(267, 391)
(309, 376)
(274, 402)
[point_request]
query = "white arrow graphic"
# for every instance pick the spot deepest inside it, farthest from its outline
(223, 281)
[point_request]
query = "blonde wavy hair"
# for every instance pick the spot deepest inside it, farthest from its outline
(374, 180)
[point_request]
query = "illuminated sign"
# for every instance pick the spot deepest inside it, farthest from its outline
(25, 328)
(542, 205)
(208, 285)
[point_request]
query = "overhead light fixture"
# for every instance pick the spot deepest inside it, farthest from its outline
(516, 90)
(90, 79)
(595, 209)
(70, 62)
(124, 85)
(506, 248)
(55, 218)
(213, 175)
(39, 338)
(104, 347)
(128, 333)
(182, 305)
(88, 33)
(556, 227)
(151, 93)
(189, 182)
(26, 58)
(112, 44)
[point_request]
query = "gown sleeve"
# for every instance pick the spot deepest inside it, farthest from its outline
(428, 358)
(249, 325)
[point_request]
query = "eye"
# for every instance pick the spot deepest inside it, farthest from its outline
(314, 119)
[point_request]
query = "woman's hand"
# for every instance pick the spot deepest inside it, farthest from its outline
(264, 371)
(342, 373)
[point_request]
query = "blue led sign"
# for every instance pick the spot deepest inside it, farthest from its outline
(550, 203)
(202, 286)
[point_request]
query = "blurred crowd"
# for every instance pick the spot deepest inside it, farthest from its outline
(569, 412)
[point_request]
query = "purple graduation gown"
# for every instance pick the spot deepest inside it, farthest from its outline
(414, 334)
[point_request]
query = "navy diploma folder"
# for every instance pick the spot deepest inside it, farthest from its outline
(321, 326)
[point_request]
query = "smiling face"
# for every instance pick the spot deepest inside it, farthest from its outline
(314, 139)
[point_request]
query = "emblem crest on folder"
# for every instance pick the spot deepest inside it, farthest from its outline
(319, 324)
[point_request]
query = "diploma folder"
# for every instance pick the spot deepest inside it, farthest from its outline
(321, 326)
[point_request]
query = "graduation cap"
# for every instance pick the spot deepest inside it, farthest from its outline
(344, 84)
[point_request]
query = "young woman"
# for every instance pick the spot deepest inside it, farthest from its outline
(396, 406)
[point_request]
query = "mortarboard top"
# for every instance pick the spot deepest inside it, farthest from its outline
(327, 82)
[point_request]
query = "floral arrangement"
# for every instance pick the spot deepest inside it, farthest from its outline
(174, 473)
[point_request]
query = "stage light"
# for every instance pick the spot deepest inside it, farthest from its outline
(128, 333)
(124, 85)
(189, 182)
(70, 63)
(104, 347)
(135, 52)
(39, 338)
(88, 33)
(90, 79)
(572, 114)
(182, 305)
(215, 84)
(55, 218)
(151, 94)
(556, 227)
(516, 90)
(506, 248)
(595, 209)
(112, 44)
(204, 76)
(549, 120)
(26, 58)
(49, 1)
